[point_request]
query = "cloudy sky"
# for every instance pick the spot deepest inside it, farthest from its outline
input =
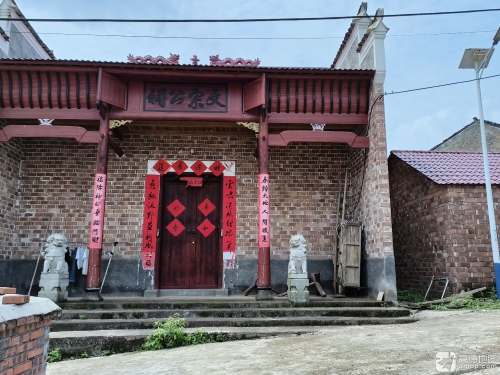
(420, 51)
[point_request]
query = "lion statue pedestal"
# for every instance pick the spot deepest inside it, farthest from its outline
(298, 281)
(54, 280)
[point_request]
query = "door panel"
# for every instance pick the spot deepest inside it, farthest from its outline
(190, 255)
(206, 262)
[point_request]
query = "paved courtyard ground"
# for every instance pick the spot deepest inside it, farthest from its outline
(453, 342)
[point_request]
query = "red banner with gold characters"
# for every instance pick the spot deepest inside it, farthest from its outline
(150, 221)
(97, 217)
(264, 232)
(229, 215)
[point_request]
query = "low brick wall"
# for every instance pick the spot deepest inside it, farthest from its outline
(440, 230)
(24, 336)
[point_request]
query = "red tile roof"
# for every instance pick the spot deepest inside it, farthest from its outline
(449, 167)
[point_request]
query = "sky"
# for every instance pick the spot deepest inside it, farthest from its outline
(420, 51)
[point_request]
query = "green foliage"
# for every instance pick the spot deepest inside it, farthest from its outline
(492, 294)
(385, 304)
(81, 356)
(410, 295)
(198, 337)
(170, 334)
(439, 307)
(486, 301)
(54, 356)
(222, 337)
(107, 353)
(82, 317)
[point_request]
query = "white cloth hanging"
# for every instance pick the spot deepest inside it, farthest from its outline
(80, 252)
(85, 265)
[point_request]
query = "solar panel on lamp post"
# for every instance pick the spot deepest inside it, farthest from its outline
(478, 59)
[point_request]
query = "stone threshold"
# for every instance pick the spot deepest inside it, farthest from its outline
(153, 293)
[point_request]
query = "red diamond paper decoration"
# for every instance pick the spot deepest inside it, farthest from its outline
(176, 208)
(175, 227)
(198, 167)
(206, 227)
(206, 207)
(180, 166)
(161, 166)
(217, 168)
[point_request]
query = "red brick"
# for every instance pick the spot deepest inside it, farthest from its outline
(35, 352)
(16, 300)
(22, 368)
(7, 290)
(36, 334)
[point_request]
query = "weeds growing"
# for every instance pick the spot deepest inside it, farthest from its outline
(54, 356)
(410, 295)
(170, 334)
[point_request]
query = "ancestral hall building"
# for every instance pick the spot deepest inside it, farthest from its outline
(201, 173)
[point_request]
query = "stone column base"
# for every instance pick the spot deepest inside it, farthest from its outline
(298, 287)
(92, 295)
(54, 286)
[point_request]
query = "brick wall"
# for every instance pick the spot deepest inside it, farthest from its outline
(469, 138)
(10, 163)
(57, 182)
(374, 209)
(24, 340)
(439, 230)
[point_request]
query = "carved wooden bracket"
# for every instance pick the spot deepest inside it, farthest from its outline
(250, 125)
(113, 124)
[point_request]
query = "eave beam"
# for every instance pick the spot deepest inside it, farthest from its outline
(309, 136)
(78, 133)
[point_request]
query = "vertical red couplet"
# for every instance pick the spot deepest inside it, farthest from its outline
(264, 263)
(150, 219)
(229, 214)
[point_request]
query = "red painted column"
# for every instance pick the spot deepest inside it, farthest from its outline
(93, 283)
(264, 236)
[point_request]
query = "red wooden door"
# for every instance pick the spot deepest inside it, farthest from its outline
(190, 255)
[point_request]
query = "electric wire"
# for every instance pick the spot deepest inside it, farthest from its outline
(241, 38)
(241, 20)
(442, 85)
(359, 194)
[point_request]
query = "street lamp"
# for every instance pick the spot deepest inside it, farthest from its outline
(478, 59)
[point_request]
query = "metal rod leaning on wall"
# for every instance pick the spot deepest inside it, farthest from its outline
(341, 291)
(38, 259)
(110, 254)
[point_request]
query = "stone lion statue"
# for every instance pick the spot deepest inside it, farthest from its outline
(298, 261)
(55, 249)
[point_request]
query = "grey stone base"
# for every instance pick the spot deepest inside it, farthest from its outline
(54, 286)
(92, 295)
(298, 287)
(264, 295)
(127, 278)
(379, 275)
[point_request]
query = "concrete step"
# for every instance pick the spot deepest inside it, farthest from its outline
(114, 324)
(96, 343)
(224, 313)
(215, 304)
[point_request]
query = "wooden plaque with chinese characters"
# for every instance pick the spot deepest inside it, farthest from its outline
(185, 97)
